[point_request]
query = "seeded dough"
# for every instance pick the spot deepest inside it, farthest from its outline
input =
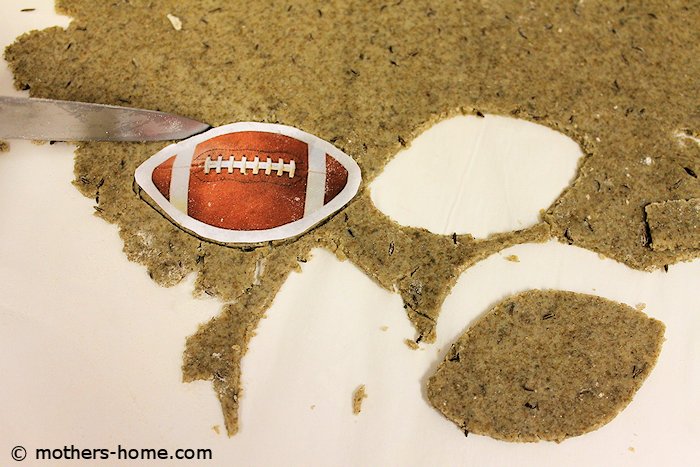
(674, 225)
(369, 77)
(546, 365)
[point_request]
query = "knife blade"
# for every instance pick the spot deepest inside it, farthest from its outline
(55, 120)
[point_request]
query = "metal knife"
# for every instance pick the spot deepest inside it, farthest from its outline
(54, 120)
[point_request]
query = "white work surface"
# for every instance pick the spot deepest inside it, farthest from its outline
(90, 347)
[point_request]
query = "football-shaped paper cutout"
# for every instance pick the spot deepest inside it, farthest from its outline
(250, 182)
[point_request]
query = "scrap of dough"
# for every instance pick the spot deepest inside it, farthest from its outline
(413, 345)
(674, 225)
(546, 365)
(357, 398)
(4, 146)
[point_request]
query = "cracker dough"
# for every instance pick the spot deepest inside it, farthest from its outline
(369, 77)
(674, 225)
(546, 365)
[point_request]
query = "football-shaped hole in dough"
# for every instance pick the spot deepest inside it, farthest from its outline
(477, 175)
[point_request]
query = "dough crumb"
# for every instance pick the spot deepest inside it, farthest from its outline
(674, 225)
(640, 306)
(216, 429)
(4, 146)
(512, 258)
(313, 406)
(384, 328)
(357, 398)
(175, 21)
(630, 449)
(411, 344)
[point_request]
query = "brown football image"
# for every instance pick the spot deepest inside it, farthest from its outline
(250, 181)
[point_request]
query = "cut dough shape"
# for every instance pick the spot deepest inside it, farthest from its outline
(546, 365)
(478, 174)
(674, 225)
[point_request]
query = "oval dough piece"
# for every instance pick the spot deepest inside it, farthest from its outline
(546, 365)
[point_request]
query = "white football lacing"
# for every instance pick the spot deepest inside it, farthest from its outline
(255, 165)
